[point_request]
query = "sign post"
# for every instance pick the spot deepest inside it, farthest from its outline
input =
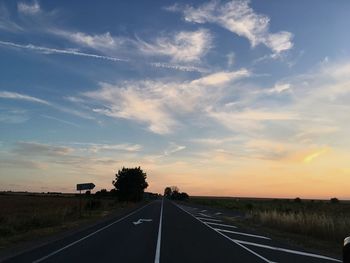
(82, 187)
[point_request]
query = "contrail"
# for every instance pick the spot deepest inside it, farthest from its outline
(61, 51)
(46, 50)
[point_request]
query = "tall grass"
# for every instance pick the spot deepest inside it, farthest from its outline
(21, 215)
(318, 225)
(320, 219)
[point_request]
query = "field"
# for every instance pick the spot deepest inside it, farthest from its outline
(27, 216)
(318, 223)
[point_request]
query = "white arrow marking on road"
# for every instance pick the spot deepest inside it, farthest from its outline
(141, 220)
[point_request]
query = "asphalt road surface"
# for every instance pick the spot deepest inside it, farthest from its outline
(163, 231)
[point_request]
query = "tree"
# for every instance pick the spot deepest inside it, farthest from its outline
(167, 192)
(334, 200)
(130, 184)
(173, 192)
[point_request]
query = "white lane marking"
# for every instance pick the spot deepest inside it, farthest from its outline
(241, 233)
(83, 238)
(218, 213)
(201, 214)
(141, 220)
(157, 258)
(217, 224)
(203, 211)
(210, 219)
(286, 250)
(237, 243)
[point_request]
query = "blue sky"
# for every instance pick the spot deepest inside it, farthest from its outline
(218, 97)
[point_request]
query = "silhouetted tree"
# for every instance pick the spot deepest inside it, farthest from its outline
(297, 200)
(173, 192)
(130, 184)
(167, 192)
(334, 200)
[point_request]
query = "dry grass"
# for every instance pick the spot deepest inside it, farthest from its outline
(319, 219)
(24, 215)
(318, 225)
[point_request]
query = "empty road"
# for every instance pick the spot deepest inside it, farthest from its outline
(163, 231)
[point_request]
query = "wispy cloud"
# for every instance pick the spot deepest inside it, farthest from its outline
(46, 50)
(5, 20)
(35, 148)
(18, 96)
(310, 157)
(184, 46)
(173, 148)
(161, 105)
(24, 97)
(239, 18)
(32, 8)
(96, 41)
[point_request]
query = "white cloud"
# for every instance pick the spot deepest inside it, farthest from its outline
(161, 105)
(28, 8)
(239, 18)
(249, 120)
(114, 147)
(97, 41)
(280, 87)
(46, 50)
(184, 46)
(173, 148)
(18, 96)
(221, 78)
(5, 20)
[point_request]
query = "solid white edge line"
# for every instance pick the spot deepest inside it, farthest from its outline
(287, 250)
(217, 224)
(238, 244)
(241, 233)
(157, 257)
(91, 234)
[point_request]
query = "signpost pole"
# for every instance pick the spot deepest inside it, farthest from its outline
(79, 203)
(85, 186)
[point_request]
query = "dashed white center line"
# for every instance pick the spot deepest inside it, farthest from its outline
(157, 258)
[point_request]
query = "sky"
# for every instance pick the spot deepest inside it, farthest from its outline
(221, 98)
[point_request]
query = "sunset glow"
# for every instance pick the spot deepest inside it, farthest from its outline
(220, 98)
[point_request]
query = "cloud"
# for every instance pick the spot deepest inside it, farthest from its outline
(114, 147)
(132, 101)
(280, 87)
(46, 50)
(97, 41)
(310, 157)
(5, 20)
(221, 78)
(239, 18)
(173, 148)
(18, 96)
(29, 8)
(249, 120)
(34, 148)
(161, 105)
(184, 46)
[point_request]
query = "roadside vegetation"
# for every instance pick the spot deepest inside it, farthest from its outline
(27, 216)
(327, 221)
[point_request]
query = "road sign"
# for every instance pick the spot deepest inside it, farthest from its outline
(85, 186)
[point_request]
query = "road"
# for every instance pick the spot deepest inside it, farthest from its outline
(163, 231)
